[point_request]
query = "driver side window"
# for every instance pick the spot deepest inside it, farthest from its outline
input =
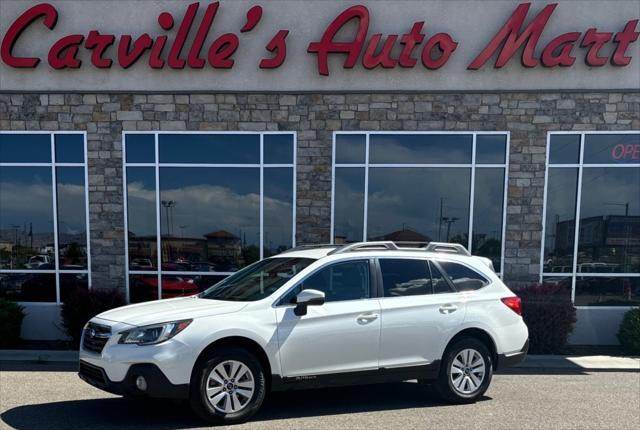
(340, 281)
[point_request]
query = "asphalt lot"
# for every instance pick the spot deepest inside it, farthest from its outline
(51, 396)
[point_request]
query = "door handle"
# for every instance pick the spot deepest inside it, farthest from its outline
(448, 309)
(366, 318)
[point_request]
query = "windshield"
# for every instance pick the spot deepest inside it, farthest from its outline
(257, 281)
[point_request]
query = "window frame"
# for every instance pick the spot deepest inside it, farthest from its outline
(156, 165)
(472, 166)
(580, 165)
(53, 165)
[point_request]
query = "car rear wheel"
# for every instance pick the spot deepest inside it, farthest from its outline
(228, 386)
(466, 371)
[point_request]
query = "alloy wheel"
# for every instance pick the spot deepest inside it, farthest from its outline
(467, 371)
(230, 386)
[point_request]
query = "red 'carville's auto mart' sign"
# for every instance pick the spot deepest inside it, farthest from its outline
(180, 43)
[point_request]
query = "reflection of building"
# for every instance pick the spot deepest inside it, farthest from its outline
(220, 248)
(404, 235)
(224, 246)
(601, 238)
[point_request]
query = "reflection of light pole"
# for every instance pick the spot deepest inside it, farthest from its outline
(168, 204)
(449, 221)
(440, 218)
(15, 230)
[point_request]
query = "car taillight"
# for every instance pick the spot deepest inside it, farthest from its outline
(514, 303)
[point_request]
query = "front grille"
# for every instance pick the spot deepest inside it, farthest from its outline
(93, 374)
(95, 337)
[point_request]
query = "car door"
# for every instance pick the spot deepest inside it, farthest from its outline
(343, 334)
(419, 311)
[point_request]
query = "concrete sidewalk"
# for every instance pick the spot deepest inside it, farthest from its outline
(532, 362)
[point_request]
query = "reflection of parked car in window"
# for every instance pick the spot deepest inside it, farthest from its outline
(203, 266)
(598, 268)
(145, 288)
(141, 264)
(310, 317)
(38, 260)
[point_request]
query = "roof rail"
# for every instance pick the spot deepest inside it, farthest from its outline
(360, 246)
(450, 248)
(311, 246)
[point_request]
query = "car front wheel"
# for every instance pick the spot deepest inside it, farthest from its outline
(228, 386)
(466, 371)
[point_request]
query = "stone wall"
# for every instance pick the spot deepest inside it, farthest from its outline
(314, 117)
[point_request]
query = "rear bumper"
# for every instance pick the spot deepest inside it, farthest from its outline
(513, 359)
(158, 385)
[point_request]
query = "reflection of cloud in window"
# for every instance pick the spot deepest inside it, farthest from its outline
(410, 198)
(488, 202)
(71, 207)
(204, 208)
(30, 203)
(420, 148)
(348, 203)
(142, 209)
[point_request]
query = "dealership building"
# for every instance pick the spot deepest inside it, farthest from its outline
(159, 146)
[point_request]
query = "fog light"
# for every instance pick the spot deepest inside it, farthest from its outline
(141, 383)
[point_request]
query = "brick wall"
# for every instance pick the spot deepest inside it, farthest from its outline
(528, 116)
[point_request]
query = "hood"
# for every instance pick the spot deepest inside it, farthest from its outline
(160, 311)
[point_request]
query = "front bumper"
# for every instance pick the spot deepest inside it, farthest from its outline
(158, 385)
(513, 359)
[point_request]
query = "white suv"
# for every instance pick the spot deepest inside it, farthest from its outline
(313, 317)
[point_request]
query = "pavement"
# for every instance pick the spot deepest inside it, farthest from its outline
(50, 395)
(532, 362)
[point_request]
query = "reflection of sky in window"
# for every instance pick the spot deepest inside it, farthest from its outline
(26, 197)
(410, 198)
(69, 148)
(278, 148)
(488, 202)
(25, 148)
(141, 203)
(564, 148)
(420, 148)
(349, 203)
(71, 201)
(278, 207)
(561, 200)
(490, 148)
(209, 148)
(211, 199)
(350, 148)
(607, 190)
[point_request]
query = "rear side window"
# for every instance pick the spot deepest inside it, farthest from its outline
(462, 277)
(405, 277)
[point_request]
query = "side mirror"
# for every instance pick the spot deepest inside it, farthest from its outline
(307, 298)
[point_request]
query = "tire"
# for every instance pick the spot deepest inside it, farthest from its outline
(208, 381)
(464, 383)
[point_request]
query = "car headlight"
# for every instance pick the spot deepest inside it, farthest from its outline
(153, 334)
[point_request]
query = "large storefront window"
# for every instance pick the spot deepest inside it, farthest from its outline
(44, 248)
(594, 178)
(421, 187)
(200, 206)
